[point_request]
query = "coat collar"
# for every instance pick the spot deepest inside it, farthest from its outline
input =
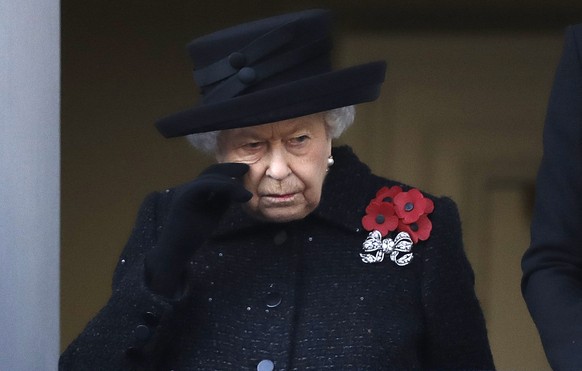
(347, 190)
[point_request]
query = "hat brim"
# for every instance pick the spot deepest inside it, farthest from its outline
(319, 93)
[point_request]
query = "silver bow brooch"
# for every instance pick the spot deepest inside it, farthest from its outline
(399, 249)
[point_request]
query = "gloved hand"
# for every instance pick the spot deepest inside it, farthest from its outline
(195, 211)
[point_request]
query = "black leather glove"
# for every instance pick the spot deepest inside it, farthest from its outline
(195, 211)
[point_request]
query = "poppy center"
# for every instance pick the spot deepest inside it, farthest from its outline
(409, 206)
(387, 199)
(414, 227)
(380, 219)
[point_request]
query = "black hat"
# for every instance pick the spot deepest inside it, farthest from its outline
(270, 70)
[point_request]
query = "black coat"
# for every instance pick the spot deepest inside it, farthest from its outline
(297, 294)
(552, 266)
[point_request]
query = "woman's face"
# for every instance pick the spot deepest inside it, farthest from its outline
(288, 163)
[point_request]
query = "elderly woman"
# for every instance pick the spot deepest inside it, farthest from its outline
(288, 253)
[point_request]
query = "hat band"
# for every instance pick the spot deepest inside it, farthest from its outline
(249, 76)
(253, 52)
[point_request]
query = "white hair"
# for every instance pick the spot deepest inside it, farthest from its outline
(337, 121)
(205, 142)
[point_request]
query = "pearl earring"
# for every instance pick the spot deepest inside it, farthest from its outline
(330, 161)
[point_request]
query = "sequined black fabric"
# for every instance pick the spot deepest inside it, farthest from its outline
(294, 295)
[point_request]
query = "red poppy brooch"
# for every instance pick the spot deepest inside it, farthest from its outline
(394, 211)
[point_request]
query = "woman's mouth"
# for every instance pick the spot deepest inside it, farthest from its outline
(279, 198)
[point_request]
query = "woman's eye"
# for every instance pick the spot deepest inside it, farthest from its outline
(299, 140)
(250, 152)
(252, 145)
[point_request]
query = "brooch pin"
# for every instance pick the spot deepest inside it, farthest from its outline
(393, 210)
(399, 248)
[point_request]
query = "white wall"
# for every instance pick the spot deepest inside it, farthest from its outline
(29, 184)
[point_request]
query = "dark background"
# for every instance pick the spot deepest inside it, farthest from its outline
(124, 65)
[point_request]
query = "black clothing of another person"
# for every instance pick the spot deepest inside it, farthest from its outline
(552, 266)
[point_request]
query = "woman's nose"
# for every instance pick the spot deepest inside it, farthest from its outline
(278, 166)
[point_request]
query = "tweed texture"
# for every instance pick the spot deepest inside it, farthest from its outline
(333, 311)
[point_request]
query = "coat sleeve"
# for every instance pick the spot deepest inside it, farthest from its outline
(552, 266)
(128, 332)
(456, 336)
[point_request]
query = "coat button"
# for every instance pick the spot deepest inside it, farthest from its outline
(265, 365)
(280, 238)
(247, 75)
(237, 60)
(273, 299)
(142, 332)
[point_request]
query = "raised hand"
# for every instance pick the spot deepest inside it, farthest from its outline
(195, 212)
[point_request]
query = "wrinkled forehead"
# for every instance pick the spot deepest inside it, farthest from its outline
(310, 123)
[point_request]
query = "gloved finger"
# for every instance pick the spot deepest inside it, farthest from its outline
(230, 169)
(222, 187)
(203, 185)
(240, 194)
